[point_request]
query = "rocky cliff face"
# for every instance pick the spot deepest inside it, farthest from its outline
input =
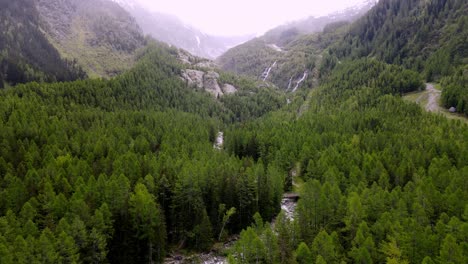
(201, 74)
(101, 35)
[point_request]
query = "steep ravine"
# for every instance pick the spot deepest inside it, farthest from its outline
(288, 205)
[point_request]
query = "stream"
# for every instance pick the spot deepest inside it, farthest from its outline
(219, 141)
(300, 81)
(288, 205)
(266, 73)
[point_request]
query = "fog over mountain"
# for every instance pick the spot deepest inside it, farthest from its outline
(243, 16)
(172, 30)
(208, 28)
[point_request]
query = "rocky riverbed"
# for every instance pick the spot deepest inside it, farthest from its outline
(288, 205)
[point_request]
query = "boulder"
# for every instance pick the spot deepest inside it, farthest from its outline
(184, 58)
(229, 89)
(193, 77)
(211, 85)
(452, 110)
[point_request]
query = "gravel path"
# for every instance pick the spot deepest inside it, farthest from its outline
(433, 100)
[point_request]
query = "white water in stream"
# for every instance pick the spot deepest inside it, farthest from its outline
(289, 84)
(289, 207)
(219, 140)
(300, 81)
(266, 73)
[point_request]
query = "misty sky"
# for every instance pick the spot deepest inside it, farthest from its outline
(238, 17)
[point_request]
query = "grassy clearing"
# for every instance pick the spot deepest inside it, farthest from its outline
(421, 97)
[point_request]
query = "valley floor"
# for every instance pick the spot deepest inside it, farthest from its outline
(430, 100)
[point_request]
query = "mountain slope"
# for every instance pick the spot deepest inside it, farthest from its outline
(100, 170)
(172, 30)
(427, 36)
(421, 35)
(25, 52)
(283, 34)
(382, 176)
(101, 35)
(289, 55)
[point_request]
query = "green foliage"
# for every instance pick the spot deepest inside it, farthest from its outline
(371, 73)
(421, 35)
(455, 91)
(148, 223)
(293, 49)
(240, 59)
(250, 247)
(379, 171)
(118, 170)
(303, 254)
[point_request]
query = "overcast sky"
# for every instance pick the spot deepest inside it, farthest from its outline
(238, 17)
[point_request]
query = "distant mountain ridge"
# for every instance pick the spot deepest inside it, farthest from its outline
(288, 55)
(283, 34)
(172, 30)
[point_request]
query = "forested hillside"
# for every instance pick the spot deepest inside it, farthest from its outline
(385, 181)
(25, 52)
(284, 34)
(118, 170)
(291, 51)
(148, 164)
(426, 36)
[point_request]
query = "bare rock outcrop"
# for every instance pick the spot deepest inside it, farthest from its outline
(193, 77)
(207, 81)
(210, 82)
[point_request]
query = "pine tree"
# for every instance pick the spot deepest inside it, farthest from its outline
(148, 223)
(450, 251)
(66, 249)
(303, 254)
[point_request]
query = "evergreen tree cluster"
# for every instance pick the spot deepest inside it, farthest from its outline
(384, 181)
(427, 36)
(119, 170)
(126, 169)
(455, 92)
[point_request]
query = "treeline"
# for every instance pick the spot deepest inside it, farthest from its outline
(384, 181)
(455, 91)
(25, 52)
(386, 78)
